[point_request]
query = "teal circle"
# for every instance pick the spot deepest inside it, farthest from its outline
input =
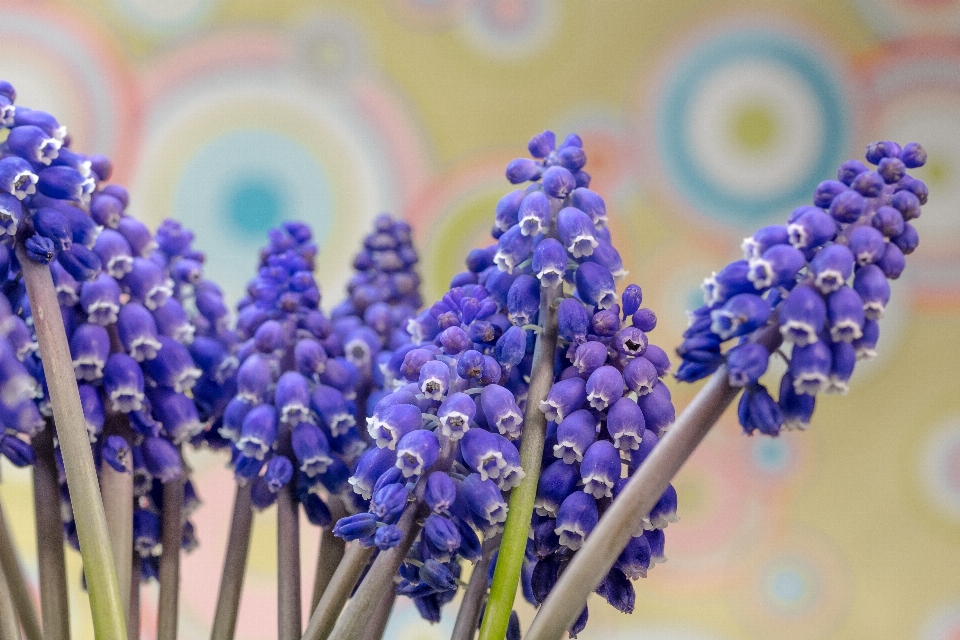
(678, 157)
(771, 455)
(254, 205)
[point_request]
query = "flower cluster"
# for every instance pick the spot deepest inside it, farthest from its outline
(822, 278)
(19, 417)
(144, 328)
(293, 416)
(447, 439)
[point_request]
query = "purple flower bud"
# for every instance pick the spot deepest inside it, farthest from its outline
(523, 300)
(176, 413)
(573, 320)
(869, 184)
(600, 469)
(513, 247)
(389, 502)
(913, 155)
(92, 410)
(172, 321)
(534, 214)
(501, 410)
(630, 342)
(137, 234)
(413, 361)
(634, 560)
(508, 209)
(146, 532)
(11, 212)
(908, 240)
(254, 378)
(810, 367)
(891, 170)
(211, 306)
(746, 363)
(389, 425)
(311, 448)
(387, 537)
(40, 249)
(106, 210)
(355, 527)
(549, 262)
(17, 177)
(33, 144)
(826, 192)
(731, 280)
(658, 411)
(866, 345)
(595, 285)
(846, 315)
(591, 204)
(434, 379)
(89, 349)
(371, 465)
(65, 183)
(440, 492)
(278, 474)
(757, 411)
(51, 223)
(542, 144)
(873, 288)
(100, 299)
(42, 119)
(796, 408)
(558, 182)
(802, 315)
(114, 252)
(832, 267)
(173, 366)
(640, 375)
(907, 204)
(665, 511)
(844, 360)
(511, 347)
(485, 503)
(522, 169)
(740, 315)
(576, 518)
(116, 452)
(893, 262)
(564, 398)
(161, 458)
(589, 357)
(556, 482)
(866, 244)
(811, 229)
(442, 537)
(625, 423)
(437, 576)
(332, 407)
(123, 383)
(493, 457)
(574, 436)
(777, 267)
(148, 284)
(576, 232)
(292, 398)
(259, 432)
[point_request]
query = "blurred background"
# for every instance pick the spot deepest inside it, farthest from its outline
(702, 120)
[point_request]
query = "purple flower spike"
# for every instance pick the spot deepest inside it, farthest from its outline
(391, 424)
(746, 363)
(556, 482)
(455, 414)
(371, 465)
(576, 518)
(89, 348)
(845, 314)
(534, 214)
(311, 448)
(331, 405)
(595, 285)
(292, 398)
(485, 503)
(549, 262)
(565, 397)
(123, 383)
(604, 387)
(259, 432)
(573, 320)
(740, 315)
(162, 459)
(440, 493)
(777, 267)
(574, 436)
(625, 423)
(866, 244)
(576, 232)
(521, 170)
(871, 284)
(501, 410)
(810, 367)
(558, 182)
(600, 469)
(758, 411)
(523, 300)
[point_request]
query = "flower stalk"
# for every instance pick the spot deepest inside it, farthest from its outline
(101, 575)
(234, 567)
(54, 603)
(17, 586)
(288, 564)
(338, 591)
(474, 597)
(330, 553)
(116, 487)
(514, 542)
(9, 627)
(171, 536)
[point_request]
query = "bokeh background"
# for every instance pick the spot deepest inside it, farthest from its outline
(701, 120)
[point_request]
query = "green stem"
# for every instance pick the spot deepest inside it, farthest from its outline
(51, 560)
(10, 568)
(106, 605)
(506, 577)
(171, 537)
(234, 567)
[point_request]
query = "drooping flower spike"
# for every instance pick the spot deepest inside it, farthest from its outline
(823, 278)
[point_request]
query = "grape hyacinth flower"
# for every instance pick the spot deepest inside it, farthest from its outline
(823, 278)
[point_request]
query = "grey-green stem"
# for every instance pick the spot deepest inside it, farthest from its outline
(468, 615)
(330, 553)
(380, 618)
(17, 585)
(234, 567)
(171, 536)
(101, 575)
(51, 561)
(288, 564)
(117, 490)
(338, 591)
(9, 626)
(133, 620)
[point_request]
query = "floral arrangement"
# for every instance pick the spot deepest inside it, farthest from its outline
(517, 432)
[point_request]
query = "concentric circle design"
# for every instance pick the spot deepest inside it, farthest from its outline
(429, 15)
(900, 18)
(330, 49)
(511, 28)
(749, 122)
(61, 65)
(166, 16)
(939, 468)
